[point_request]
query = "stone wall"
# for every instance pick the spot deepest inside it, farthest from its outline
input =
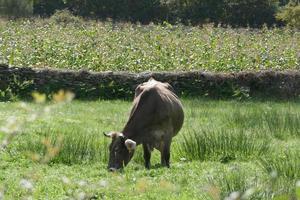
(108, 85)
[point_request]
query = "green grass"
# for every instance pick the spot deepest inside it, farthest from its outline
(224, 147)
(102, 46)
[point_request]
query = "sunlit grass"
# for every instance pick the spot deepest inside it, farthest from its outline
(224, 148)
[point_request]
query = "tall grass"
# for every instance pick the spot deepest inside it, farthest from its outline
(279, 122)
(222, 144)
(77, 147)
(285, 164)
(213, 131)
(102, 46)
(246, 182)
(283, 124)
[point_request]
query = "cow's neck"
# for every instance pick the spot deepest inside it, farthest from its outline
(131, 134)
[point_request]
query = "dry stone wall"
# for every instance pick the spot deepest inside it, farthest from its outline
(110, 85)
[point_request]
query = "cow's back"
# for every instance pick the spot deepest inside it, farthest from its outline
(155, 109)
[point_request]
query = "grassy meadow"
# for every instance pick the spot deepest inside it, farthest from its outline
(69, 42)
(226, 149)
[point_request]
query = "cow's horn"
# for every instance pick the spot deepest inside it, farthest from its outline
(130, 144)
(113, 135)
(106, 134)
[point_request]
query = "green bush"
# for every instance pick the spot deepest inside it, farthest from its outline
(290, 14)
(65, 17)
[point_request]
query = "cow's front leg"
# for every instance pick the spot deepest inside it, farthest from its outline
(147, 155)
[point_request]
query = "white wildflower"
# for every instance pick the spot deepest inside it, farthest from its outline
(28, 198)
(24, 106)
(5, 130)
(11, 120)
(32, 117)
(183, 159)
(81, 196)
(298, 183)
(233, 196)
(69, 96)
(11, 126)
(82, 183)
(65, 180)
(47, 109)
(247, 194)
(103, 183)
(274, 174)
(26, 184)
(1, 195)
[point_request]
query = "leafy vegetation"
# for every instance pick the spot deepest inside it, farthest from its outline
(226, 149)
(70, 42)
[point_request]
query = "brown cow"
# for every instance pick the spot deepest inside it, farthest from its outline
(155, 118)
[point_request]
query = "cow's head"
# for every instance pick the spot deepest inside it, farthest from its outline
(121, 150)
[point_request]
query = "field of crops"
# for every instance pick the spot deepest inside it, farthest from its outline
(101, 46)
(239, 150)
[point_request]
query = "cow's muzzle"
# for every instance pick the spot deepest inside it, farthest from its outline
(112, 169)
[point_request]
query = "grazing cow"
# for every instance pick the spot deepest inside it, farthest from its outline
(155, 118)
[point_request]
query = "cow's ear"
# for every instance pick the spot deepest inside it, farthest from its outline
(130, 145)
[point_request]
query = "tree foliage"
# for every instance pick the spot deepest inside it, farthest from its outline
(16, 8)
(290, 14)
(233, 12)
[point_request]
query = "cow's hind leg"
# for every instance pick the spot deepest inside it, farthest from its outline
(165, 154)
(147, 155)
